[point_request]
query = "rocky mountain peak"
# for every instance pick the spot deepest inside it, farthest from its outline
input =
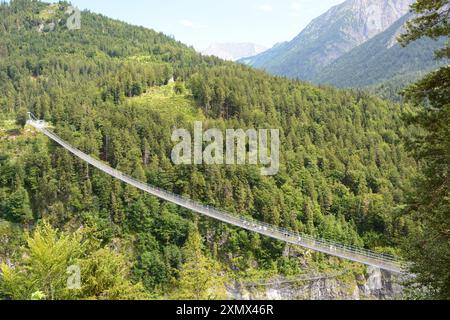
(331, 35)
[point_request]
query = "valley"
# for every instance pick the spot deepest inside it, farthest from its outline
(113, 94)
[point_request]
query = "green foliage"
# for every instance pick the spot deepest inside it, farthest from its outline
(432, 21)
(430, 204)
(200, 277)
(41, 272)
(15, 206)
(428, 247)
(22, 117)
(11, 238)
(170, 102)
(108, 90)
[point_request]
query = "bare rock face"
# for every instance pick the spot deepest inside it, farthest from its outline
(373, 17)
(330, 36)
(381, 285)
(375, 285)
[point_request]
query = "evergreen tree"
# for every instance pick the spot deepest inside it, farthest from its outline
(200, 277)
(428, 247)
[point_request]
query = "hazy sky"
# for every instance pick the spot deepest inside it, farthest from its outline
(202, 22)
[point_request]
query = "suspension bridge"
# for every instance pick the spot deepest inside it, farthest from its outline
(332, 248)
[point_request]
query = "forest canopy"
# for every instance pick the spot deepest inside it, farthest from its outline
(116, 92)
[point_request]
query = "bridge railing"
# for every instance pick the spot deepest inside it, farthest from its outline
(350, 252)
(268, 227)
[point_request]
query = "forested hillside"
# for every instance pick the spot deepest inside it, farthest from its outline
(382, 62)
(107, 89)
(354, 45)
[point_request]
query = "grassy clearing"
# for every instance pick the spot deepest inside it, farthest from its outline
(142, 59)
(8, 124)
(168, 104)
(11, 132)
(49, 13)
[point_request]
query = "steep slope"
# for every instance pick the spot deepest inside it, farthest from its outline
(263, 57)
(382, 59)
(330, 36)
(106, 89)
(233, 51)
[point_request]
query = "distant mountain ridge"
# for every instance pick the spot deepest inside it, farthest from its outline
(233, 51)
(382, 59)
(330, 36)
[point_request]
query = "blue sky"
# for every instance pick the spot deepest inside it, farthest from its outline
(202, 22)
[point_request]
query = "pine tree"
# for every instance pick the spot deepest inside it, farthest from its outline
(200, 276)
(428, 247)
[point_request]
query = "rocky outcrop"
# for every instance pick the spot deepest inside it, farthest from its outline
(375, 285)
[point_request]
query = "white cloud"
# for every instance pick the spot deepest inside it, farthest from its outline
(267, 8)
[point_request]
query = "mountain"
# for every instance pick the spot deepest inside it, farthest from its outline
(382, 59)
(264, 56)
(106, 89)
(233, 51)
(329, 36)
